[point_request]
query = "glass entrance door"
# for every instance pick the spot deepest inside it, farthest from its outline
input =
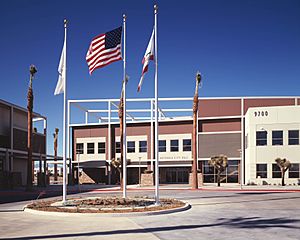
(177, 175)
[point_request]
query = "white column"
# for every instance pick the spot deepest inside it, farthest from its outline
(242, 143)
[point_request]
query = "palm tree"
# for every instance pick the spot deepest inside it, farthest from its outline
(32, 71)
(220, 163)
(195, 112)
(284, 165)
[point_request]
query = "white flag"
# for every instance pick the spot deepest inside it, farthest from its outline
(149, 55)
(60, 86)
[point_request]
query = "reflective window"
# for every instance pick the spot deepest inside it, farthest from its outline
(261, 138)
(118, 147)
(162, 145)
(101, 147)
(261, 170)
(174, 146)
(131, 147)
(277, 137)
(276, 173)
(90, 148)
(79, 148)
(142, 146)
(294, 170)
(293, 137)
(187, 145)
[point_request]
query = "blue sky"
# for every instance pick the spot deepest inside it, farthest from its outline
(242, 48)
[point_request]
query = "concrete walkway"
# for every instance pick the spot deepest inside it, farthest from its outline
(215, 214)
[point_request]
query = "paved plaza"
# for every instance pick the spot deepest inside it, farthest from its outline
(226, 213)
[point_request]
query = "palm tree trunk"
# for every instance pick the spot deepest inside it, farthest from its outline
(218, 178)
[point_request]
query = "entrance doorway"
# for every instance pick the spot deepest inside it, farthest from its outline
(177, 175)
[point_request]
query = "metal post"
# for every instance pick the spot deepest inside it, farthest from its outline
(109, 142)
(139, 171)
(124, 109)
(156, 113)
(64, 200)
(151, 137)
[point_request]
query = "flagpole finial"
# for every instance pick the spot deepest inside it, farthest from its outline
(65, 22)
(155, 8)
(124, 17)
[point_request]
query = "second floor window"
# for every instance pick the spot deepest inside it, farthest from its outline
(118, 147)
(277, 137)
(142, 146)
(131, 147)
(293, 137)
(261, 138)
(174, 145)
(162, 145)
(79, 148)
(187, 145)
(90, 148)
(101, 147)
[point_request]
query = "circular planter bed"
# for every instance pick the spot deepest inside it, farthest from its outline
(109, 205)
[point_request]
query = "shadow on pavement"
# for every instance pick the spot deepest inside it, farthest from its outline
(252, 222)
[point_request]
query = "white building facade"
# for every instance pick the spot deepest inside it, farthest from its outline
(270, 133)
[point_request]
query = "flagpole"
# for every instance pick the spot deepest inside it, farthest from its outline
(64, 119)
(124, 111)
(156, 113)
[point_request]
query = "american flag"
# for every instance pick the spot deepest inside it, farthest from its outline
(104, 49)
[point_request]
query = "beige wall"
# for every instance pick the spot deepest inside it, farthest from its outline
(278, 118)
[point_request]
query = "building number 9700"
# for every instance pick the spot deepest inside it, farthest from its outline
(261, 113)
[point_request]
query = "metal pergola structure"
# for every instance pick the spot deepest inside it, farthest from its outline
(137, 110)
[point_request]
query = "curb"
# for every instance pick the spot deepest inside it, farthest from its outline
(187, 206)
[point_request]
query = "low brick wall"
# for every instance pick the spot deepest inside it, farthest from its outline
(147, 179)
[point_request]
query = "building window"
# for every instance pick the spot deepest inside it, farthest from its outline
(174, 145)
(276, 173)
(261, 138)
(90, 148)
(293, 137)
(79, 148)
(261, 170)
(294, 170)
(162, 145)
(131, 147)
(277, 137)
(187, 145)
(101, 147)
(118, 147)
(142, 146)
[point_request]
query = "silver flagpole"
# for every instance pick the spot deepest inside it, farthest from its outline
(64, 119)
(124, 111)
(156, 113)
